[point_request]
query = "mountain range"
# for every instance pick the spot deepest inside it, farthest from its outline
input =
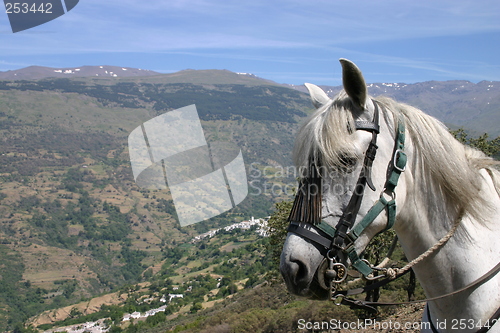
(474, 106)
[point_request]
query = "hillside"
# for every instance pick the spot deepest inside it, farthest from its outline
(215, 284)
(73, 223)
(457, 103)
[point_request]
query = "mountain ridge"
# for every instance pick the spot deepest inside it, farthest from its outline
(196, 76)
(457, 103)
(35, 72)
(41, 72)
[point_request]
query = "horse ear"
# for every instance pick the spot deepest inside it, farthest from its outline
(354, 83)
(318, 96)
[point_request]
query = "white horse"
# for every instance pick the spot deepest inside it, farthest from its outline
(444, 184)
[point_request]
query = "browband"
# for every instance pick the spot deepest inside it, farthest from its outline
(367, 126)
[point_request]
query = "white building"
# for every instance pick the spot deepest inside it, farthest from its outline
(245, 225)
(172, 296)
(135, 315)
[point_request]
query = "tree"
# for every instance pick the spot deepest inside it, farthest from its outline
(157, 319)
(277, 230)
(115, 329)
(196, 307)
(75, 313)
(251, 281)
(482, 143)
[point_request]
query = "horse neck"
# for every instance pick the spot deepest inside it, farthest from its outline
(472, 251)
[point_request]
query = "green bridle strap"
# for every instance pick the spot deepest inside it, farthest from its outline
(326, 228)
(360, 265)
(372, 214)
(398, 160)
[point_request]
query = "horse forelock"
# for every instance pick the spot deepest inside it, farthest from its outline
(326, 137)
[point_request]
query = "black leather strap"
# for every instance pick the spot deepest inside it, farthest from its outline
(484, 278)
(492, 321)
(433, 328)
(351, 211)
(301, 231)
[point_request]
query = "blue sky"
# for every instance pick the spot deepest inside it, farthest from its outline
(286, 41)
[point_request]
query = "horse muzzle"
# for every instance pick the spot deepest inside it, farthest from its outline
(300, 273)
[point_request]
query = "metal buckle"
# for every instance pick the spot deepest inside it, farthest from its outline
(395, 160)
(391, 193)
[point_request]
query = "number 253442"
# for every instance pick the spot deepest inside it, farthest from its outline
(26, 8)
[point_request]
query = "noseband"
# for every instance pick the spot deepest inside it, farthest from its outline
(337, 244)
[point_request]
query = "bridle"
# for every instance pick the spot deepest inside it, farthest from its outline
(337, 244)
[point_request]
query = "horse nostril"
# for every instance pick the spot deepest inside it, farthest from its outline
(294, 271)
(300, 272)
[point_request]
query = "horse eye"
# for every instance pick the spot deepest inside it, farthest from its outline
(348, 162)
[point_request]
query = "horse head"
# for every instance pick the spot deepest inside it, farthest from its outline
(347, 152)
